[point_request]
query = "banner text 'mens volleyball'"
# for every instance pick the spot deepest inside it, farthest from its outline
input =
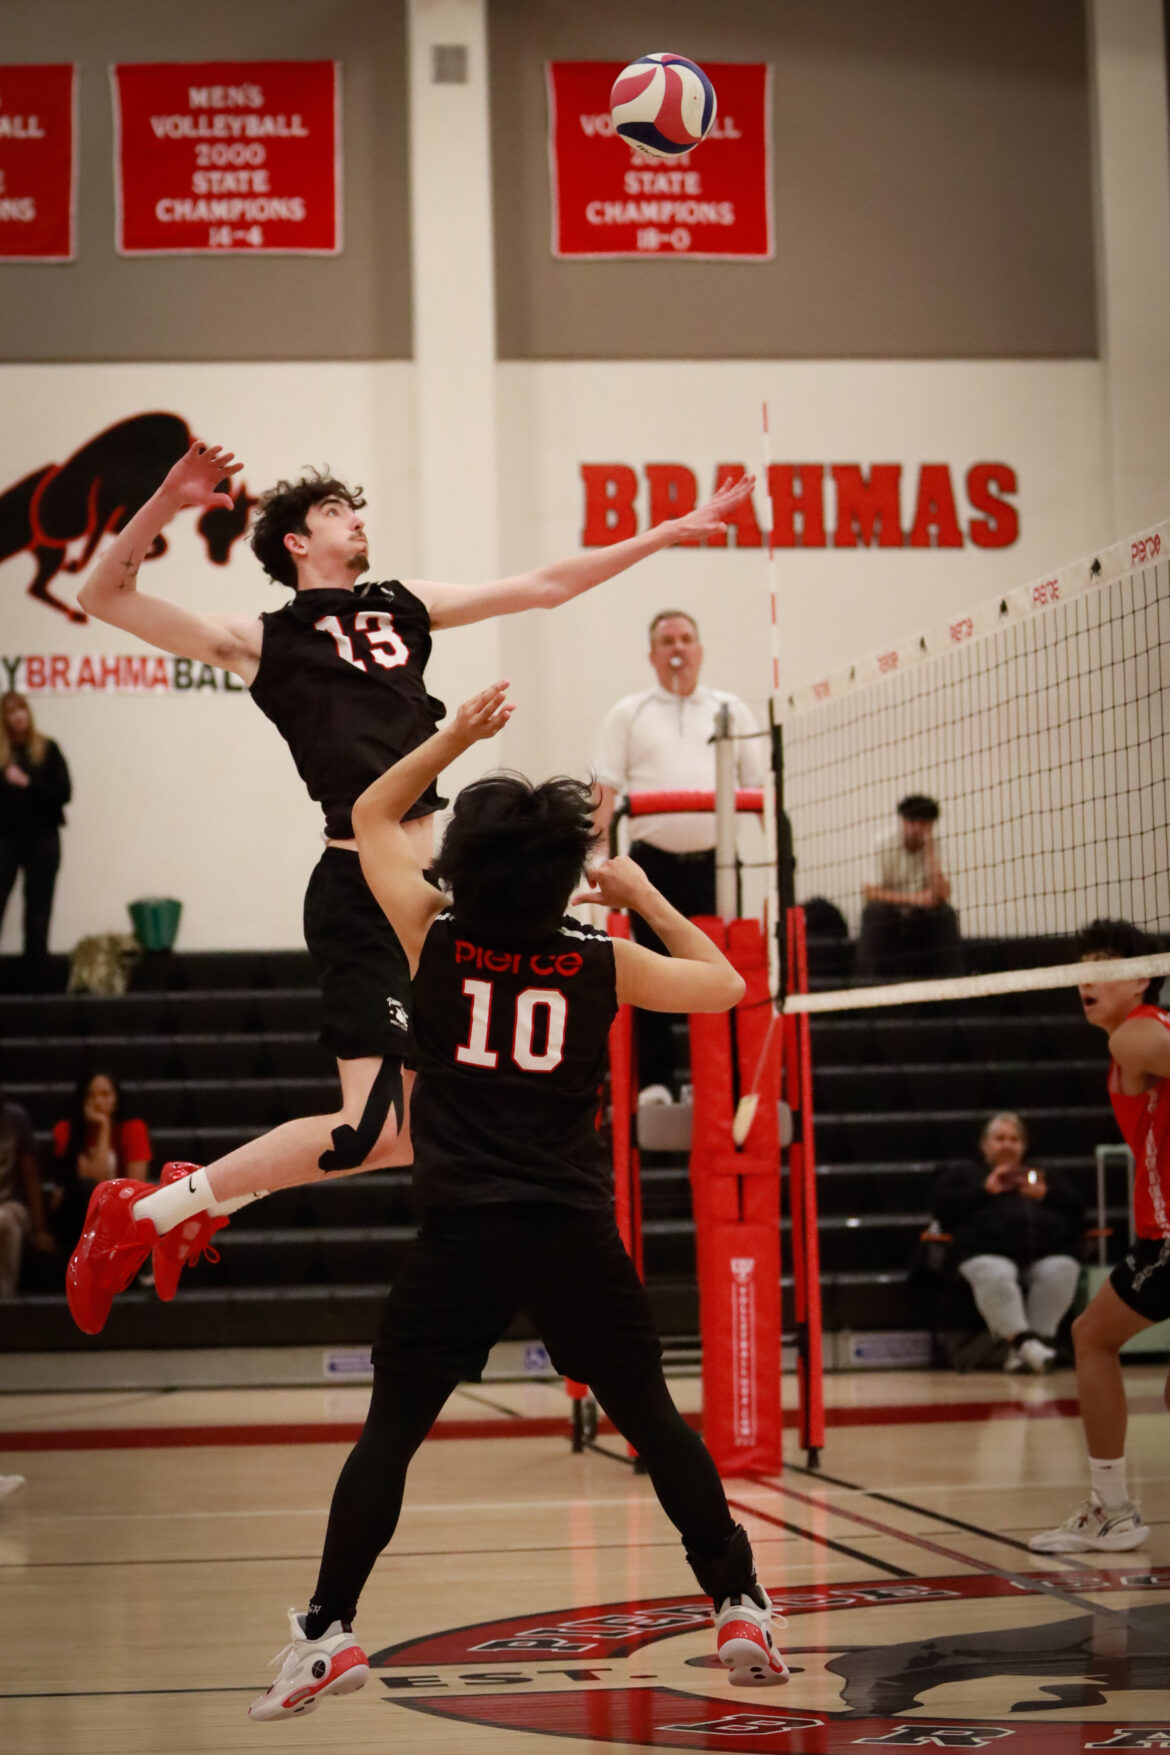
(609, 200)
(228, 156)
(38, 153)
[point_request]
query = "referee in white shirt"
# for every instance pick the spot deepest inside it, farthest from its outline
(660, 740)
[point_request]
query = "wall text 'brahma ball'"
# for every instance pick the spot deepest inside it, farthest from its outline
(662, 104)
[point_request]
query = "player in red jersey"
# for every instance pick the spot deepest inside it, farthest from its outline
(1137, 1293)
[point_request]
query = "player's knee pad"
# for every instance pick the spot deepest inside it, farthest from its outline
(353, 1145)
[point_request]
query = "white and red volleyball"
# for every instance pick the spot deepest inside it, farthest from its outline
(662, 104)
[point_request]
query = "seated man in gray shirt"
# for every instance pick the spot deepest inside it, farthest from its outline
(908, 927)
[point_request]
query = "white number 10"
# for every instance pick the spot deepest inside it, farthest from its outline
(475, 1051)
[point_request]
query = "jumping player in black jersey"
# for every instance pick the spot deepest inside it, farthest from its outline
(339, 671)
(513, 1002)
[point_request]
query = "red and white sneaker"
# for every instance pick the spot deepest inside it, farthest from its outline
(183, 1244)
(312, 1668)
(743, 1639)
(111, 1252)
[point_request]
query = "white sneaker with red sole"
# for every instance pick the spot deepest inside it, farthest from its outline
(743, 1639)
(310, 1669)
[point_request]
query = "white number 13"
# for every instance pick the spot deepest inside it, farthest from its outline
(386, 645)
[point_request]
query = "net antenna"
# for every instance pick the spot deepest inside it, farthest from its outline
(773, 914)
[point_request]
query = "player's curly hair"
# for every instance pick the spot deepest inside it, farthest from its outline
(514, 852)
(283, 508)
(1119, 938)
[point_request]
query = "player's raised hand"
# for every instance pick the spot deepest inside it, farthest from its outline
(194, 480)
(617, 883)
(708, 519)
(485, 714)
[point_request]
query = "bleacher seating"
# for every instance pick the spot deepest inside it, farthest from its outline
(215, 1048)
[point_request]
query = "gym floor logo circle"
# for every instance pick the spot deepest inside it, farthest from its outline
(1065, 1662)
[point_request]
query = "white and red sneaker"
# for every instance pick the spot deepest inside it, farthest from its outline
(311, 1669)
(183, 1244)
(743, 1639)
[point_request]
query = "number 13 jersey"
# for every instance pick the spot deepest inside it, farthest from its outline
(341, 678)
(510, 1047)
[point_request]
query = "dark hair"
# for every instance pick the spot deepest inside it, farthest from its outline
(513, 853)
(1119, 938)
(282, 510)
(665, 615)
(916, 807)
(66, 1165)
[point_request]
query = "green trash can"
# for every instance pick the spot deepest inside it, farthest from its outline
(156, 922)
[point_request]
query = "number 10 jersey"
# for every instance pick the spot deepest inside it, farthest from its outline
(341, 678)
(510, 1047)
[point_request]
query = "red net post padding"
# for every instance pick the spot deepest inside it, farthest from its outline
(623, 1099)
(652, 804)
(736, 1195)
(803, 1199)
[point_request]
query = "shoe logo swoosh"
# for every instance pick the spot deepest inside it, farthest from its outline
(191, 1185)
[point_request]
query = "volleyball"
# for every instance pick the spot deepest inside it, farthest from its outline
(662, 104)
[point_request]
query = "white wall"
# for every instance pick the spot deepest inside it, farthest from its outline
(194, 796)
(835, 604)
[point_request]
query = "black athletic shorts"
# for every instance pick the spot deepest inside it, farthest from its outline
(473, 1268)
(360, 965)
(1142, 1280)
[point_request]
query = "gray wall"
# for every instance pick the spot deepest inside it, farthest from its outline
(105, 307)
(931, 177)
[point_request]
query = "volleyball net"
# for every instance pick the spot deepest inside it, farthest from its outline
(1038, 724)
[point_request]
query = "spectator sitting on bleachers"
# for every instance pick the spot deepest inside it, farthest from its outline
(92, 1144)
(1014, 1225)
(22, 1209)
(908, 927)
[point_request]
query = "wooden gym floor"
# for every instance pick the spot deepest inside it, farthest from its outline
(534, 1600)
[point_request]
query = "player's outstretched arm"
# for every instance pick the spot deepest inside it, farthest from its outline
(695, 977)
(452, 606)
(111, 593)
(388, 858)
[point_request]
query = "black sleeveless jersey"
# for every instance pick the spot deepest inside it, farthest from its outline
(510, 1047)
(341, 678)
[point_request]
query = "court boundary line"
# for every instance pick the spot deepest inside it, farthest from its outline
(1019, 1580)
(515, 1426)
(796, 1529)
(1071, 1560)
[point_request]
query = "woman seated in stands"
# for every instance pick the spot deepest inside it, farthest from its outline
(1018, 1233)
(95, 1142)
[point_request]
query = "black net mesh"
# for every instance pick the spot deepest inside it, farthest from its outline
(1044, 742)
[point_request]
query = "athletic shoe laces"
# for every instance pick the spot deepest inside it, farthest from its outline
(137, 1249)
(289, 1657)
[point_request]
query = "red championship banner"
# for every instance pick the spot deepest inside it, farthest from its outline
(226, 156)
(38, 155)
(609, 200)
